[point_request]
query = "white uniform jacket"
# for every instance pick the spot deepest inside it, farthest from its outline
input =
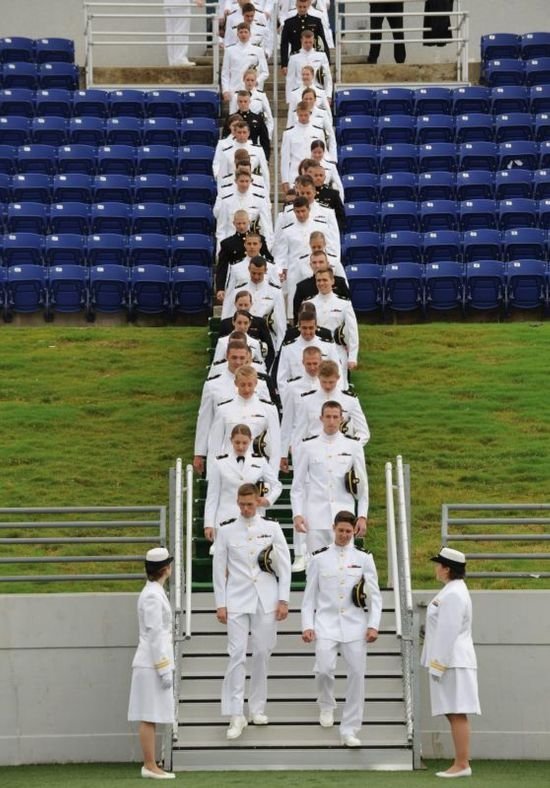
(291, 358)
(296, 145)
(267, 302)
(239, 583)
(333, 313)
(155, 647)
(237, 59)
(327, 606)
(322, 118)
(448, 642)
(255, 347)
(225, 476)
(238, 272)
(259, 104)
(261, 30)
(332, 177)
(289, 401)
(308, 412)
(317, 60)
(318, 489)
(254, 203)
(224, 164)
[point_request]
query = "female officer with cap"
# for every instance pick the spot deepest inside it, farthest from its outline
(151, 691)
(450, 657)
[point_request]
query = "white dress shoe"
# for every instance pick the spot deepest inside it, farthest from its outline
(185, 62)
(212, 549)
(157, 775)
(236, 727)
(299, 564)
(326, 718)
(467, 772)
(259, 719)
(351, 741)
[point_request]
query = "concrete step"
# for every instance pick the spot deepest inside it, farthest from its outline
(281, 711)
(206, 622)
(203, 602)
(290, 665)
(287, 643)
(379, 688)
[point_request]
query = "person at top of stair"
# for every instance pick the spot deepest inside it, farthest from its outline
(293, 28)
(308, 56)
(318, 8)
(261, 30)
(238, 58)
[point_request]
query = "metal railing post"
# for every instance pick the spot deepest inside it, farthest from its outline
(188, 548)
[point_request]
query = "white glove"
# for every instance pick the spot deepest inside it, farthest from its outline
(167, 681)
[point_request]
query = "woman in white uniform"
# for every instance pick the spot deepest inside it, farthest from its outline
(450, 657)
(151, 691)
(226, 474)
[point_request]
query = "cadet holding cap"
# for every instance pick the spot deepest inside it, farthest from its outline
(450, 657)
(151, 691)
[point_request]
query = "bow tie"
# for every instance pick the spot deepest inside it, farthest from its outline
(240, 459)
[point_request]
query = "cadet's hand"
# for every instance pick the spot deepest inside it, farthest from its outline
(300, 524)
(361, 526)
(284, 464)
(220, 296)
(227, 95)
(198, 463)
(221, 615)
(352, 364)
(209, 534)
(282, 611)
(264, 503)
(372, 635)
(308, 636)
(285, 72)
(167, 681)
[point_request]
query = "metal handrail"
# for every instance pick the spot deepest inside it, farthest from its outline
(393, 566)
(188, 549)
(404, 536)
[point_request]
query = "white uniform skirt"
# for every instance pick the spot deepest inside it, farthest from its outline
(149, 702)
(455, 693)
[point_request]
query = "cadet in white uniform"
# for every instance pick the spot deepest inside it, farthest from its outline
(226, 474)
(296, 144)
(246, 198)
(332, 620)
(224, 164)
(177, 28)
(261, 29)
(152, 688)
(254, 345)
(238, 58)
(291, 355)
(308, 56)
(449, 655)
(321, 469)
(259, 103)
(249, 600)
(332, 179)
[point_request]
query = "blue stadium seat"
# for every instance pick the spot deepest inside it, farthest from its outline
(437, 156)
(195, 159)
(401, 157)
(124, 131)
(444, 286)
(195, 188)
(509, 98)
(500, 45)
(70, 217)
(55, 102)
(65, 249)
(365, 284)
(355, 101)
(518, 212)
(478, 156)
(20, 75)
(504, 71)
(113, 188)
(518, 153)
(31, 187)
(16, 49)
(191, 289)
(356, 130)
(473, 98)
(198, 131)
(396, 129)
(3, 280)
(192, 249)
(19, 102)
(435, 128)
(510, 184)
(398, 186)
(54, 50)
(156, 160)
(485, 285)
(441, 245)
(481, 245)
(58, 75)
(5, 188)
(524, 243)
(432, 100)
(49, 131)
(8, 159)
(149, 289)
(201, 104)
(394, 101)
(116, 160)
(149, 249)
(541, 184)
(362, 217)
(25, 289)
(151, 217)
(474, 127)
(23, 249)
(537, 72)
(514, 126)
(403, 246)
(477, 214)
(67, 289)
(111, 217)
(534, 45)
(475, 184)
(543, 214)
(27, 217)
(37, 158)
(77, 158)
(361, 248)
(192, 217)
(109, 288)
(153, 188)
(356, 159)
(438, 185)
(526, 284)
(128, 103)
(539, 99)
(398, 215)
(438, 215)
(163, 104)
(403, 287)
(91, 103)
(14, 130)
(107, 249)
(72, 186)
(544, 155)
(161, 131)
(542, 127)
(87, 130)
(360, 187)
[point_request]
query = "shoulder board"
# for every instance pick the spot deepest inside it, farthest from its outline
(259, 91)
(260, 24)
(262, 376)
(290, 341)
(320, 220)
(231, 520)
(289, 128)
(229, 47)
(317, 127)
(291, 380)
(272, 284)
(325, 339)
(329, 161)
(315, 552)
(351, 437)
(270, 519)
(220, 361)
(226, 196)
(307, 393)
(229, 147)
(225, 401)
(303, 256)
(267, 401)
(222, 456)
(286, 226)
(213, 377)
(261, 196)
(349, 393)
(311, 437)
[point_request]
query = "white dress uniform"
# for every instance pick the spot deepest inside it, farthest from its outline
(332, 177)
(323, 119)
(291, 358)
(328, 610)
(259, 104)
(295, 97)
(154, 657)
(259, 414)
(267, 302)
(337, 313)
(333, 259)
(226, 474)
(216, 389)
(226, 185)
(261, 30)
(308, 411)
(318, 489)
(220, 351)
(238, 272)
(296, 146)
(257, 208)
(251, 597)
(317, 60)
(177, 29)
(237, 59)
(225, 164)
(448, 652)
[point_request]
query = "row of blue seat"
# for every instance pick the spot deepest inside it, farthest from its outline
(514, 45)
(43, 76)
(421, 129)
(440, 100)
(36, 50)
(104, 288)
(120, 218)
(442, 185)
(141, 249)
(446, 156)
(508, 71)
(16, 130)
(408, 246)
(73, 186)
(99, 103)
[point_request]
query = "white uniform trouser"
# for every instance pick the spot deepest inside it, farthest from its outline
(316, 538)
(299, 543)
(177, 30)
(263, 635)
(355, 657)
